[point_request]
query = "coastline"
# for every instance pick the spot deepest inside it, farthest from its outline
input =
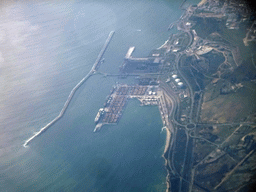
(163, 44)
(201, 2)
(167, 145)
(82, 126)
(167, 141)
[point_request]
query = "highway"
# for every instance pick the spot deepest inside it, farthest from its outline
(187, 131)
(184, 170)
(174, 123)
(173, 129)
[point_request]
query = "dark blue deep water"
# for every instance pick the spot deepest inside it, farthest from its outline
(46, 48)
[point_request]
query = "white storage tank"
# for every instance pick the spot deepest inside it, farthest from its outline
(174, 76)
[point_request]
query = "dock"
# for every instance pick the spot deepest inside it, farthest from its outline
(129, 57)
(129, 52)
(118, 98)
(149, 64)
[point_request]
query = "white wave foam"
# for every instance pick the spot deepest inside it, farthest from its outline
(92, 71)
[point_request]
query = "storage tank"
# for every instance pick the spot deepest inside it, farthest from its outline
(174, 76)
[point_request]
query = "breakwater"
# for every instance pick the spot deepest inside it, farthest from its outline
(91, 72)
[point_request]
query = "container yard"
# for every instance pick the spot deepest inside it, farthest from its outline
(115, 103)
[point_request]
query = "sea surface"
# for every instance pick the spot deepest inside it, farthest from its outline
(46, 48)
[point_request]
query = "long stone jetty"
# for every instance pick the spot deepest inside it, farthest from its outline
(91, 72)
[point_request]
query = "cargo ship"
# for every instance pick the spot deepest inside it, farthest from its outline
(99, 115)
(107, 103)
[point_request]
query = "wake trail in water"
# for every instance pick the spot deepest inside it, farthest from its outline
(91, 72)
(163, 129)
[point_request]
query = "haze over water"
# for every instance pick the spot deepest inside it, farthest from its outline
(46, 48)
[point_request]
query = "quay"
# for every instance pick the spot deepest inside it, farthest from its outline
(128, 56)
(91, 72)
(115, 103)
(129, 52)
(132, 65)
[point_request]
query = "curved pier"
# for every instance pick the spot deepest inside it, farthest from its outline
(91, 72)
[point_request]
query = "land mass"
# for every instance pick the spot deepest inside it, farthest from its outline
(203, 81)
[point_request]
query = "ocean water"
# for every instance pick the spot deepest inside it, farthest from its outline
(46, 48)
